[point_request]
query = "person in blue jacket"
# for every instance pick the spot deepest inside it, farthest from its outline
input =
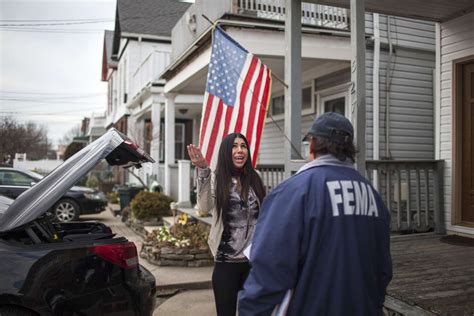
(322, 241)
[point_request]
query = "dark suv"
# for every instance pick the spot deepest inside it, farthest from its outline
(78, 200)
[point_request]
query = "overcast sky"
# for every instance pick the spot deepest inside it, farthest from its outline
(50, 73)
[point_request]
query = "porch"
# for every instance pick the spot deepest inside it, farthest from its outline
(258, 26)
(432, 275)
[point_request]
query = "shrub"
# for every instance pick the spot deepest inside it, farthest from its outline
(149, 205)
(112, 197)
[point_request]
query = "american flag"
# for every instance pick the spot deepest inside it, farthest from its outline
(236, 97)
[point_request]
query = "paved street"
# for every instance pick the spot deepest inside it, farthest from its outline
(194, 297)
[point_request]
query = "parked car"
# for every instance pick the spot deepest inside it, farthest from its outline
(72, 268)
(78, 200)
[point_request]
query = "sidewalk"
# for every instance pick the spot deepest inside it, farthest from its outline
(193, 285)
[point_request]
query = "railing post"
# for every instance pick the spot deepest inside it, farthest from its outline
(438, 198)
(184, 186)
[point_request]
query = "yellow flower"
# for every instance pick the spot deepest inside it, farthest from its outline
(183, 219)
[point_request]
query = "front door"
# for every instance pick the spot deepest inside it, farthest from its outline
(467, 147)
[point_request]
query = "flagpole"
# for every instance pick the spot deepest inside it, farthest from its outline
(214, 24)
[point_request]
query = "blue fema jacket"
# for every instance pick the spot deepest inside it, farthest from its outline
(324, 234)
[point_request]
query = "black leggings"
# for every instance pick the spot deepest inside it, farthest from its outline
(227, 280)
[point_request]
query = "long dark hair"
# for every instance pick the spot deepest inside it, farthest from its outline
(249, 178)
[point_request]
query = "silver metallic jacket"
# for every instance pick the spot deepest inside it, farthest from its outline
(241, 218)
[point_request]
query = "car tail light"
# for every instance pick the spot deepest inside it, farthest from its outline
(131, 144)
(123, 255)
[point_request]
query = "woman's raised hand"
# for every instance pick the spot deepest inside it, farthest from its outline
(196, 157)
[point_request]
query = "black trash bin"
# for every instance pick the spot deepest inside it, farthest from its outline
(124, 196)
(134, 191)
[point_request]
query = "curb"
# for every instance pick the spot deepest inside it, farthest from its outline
(203, 285)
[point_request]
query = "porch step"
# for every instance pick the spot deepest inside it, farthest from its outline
(168, 220)
(192, 212)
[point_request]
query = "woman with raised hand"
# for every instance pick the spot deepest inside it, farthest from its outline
(232, 194)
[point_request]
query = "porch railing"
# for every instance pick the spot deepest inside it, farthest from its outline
(312, 14)
(149, 68)
(272, 175)
(412, 190)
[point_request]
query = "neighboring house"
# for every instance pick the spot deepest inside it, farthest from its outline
(135, 53)
(96, 126)
(405, 47)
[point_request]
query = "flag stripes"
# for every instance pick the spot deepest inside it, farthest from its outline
(246, 115)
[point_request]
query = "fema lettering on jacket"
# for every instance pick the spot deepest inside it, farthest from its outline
(352, 198)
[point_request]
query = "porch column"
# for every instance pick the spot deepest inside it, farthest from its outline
(169, 140)
(293, 80)
(155, 139)
(358, 80)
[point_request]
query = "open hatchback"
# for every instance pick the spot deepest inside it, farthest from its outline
(75, 268)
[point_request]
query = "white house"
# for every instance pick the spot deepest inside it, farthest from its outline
(399, 65)
(454, 91)
(135, 53)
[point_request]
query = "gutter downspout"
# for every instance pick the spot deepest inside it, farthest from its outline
(387, 90)
(376, 97)
(437, 93)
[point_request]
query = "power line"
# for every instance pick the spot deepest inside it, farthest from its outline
(23, 30)
(51, 93)
(51, 113)
(56, 23)
(48, 99)
(57, 20)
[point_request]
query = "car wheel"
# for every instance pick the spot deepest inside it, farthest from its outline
(15, 311)
(66, 210)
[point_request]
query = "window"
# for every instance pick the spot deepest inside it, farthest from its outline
(334, 101)
(15, 178)
(306, 98)
(125, 81)
(277, 105)
(162, 141)
(335, 105)
(180, 141)
(148, 135)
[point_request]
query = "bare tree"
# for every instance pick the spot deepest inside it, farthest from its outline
(26, 138)
(69, 136)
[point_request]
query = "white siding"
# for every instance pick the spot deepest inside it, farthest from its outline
(411, 104)
(272, 144)
(457, 41)
(407, 33)
(411, 109)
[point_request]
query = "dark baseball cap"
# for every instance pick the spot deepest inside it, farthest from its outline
(333, 126)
